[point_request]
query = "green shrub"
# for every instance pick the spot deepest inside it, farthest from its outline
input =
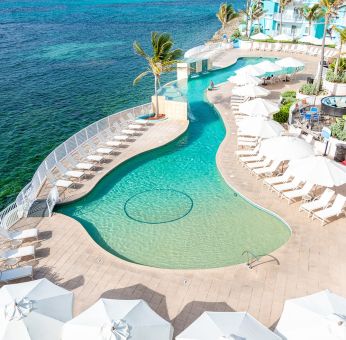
(307, 89)
(236, 34)
(282, 115)
(338, 129)
(289, 93)
(342, 65)
(339, 78)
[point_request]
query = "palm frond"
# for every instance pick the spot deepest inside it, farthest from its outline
(140, 77)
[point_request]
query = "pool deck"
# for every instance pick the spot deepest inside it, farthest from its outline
(313, 258)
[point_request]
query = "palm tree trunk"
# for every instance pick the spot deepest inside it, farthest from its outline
(281, 20)
(320, 70)
(156, 97)
(250, 27)
(336, 69)
(247, 17)
(309, 27)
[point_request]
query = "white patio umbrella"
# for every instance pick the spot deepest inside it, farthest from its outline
(34, 310)
(286, 148)
(259, 107)
(289, 62)
(226, 326)
(118, 320)
(244, 79)
(252, 70)
(268, 66)
(251, 91)
(260, 36)
(258, 127)
(320, 316)
(319, 170)
(283, 37)
(310, 40)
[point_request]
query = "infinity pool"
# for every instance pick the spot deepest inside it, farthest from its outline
(170, 207)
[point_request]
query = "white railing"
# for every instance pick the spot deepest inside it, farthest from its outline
(15, 211)
(195, 51)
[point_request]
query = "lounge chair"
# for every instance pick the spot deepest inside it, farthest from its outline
(91, 158)
(61, 183)
(317, 203)
(252, 152)
(79, 165)
(137, 120)
(18, 252)
(334, 211)
(117, 137)
(267, 171)
(102, 151)
(16, 273)
(249, 159)
(106, 142)
(277, 179)
(280, 188)
(247, 144)
(69, 173)
(291, 196)
(246, 139)
(261, 164)
(277, 47)
(20, 234)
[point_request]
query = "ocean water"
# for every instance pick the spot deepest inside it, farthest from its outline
(65, 64)
(171, 208)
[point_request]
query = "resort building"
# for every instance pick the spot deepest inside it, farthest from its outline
(293, 23)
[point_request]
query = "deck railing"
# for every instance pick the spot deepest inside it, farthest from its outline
(27, 196)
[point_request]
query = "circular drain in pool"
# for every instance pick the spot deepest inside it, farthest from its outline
(158, 206)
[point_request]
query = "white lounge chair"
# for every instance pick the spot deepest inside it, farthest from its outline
(70, 173)
(317, 203)
(261, 164)
(280, 188)
(247, 144)
(19, 234)
(277, 47)
(249, 159)
(61, 183)
(252, 152)
(246, 139)
(79, 165)
(102, 151)
(291, 196)
(267, 171)
(16, 273)
(91, 158)
(115, 136)
(106, 142)
(277, 179)
(18, 252)
(334, 211)
(137, 120)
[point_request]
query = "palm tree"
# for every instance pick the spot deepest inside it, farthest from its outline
(162, 60)
(246, 12)
(226, 13)
(342, 36)
(254, 12)
(330, 10)
(311, 14)
(283, 4)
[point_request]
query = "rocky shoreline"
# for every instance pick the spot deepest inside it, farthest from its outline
(228, 30)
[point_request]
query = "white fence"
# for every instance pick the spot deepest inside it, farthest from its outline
(210, 48)
(20, 208)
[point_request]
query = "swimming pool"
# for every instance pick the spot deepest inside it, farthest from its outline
(171, 208)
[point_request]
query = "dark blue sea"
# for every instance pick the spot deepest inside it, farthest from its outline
(65, 64)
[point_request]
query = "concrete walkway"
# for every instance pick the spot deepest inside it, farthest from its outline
(313, 258)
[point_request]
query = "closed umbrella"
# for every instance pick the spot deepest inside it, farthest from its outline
(289, 62)
(226, 326)
(118, 320)
(259, 107)
(260, 36)
(268, 66)
(244, 79)
(320, 316)
(283, 37)
(251, 91)
(252, 70)
(258, 127)
(319, 170)
(34, 310)
(286, 148)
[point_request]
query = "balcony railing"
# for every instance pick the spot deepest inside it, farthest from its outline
(289, 18)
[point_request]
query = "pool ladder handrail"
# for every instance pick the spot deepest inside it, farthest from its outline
(253, 258)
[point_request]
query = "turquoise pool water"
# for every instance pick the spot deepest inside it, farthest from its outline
(170, 207)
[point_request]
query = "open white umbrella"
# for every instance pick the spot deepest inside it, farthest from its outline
(252, 70)
(289, 62)
(118, 320)
(320, 316)
(260, 36)
(286, 148)
(283, 37)
(268, 66)
(319, 170)
(259, 107)
(310, 40)
(258, 127)
(226, 326)
(251, 91)
(244, 79)
(34, 310)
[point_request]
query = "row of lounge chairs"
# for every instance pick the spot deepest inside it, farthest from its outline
(287, 187)
(24, 271)
(74, 167)
(292, 48)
